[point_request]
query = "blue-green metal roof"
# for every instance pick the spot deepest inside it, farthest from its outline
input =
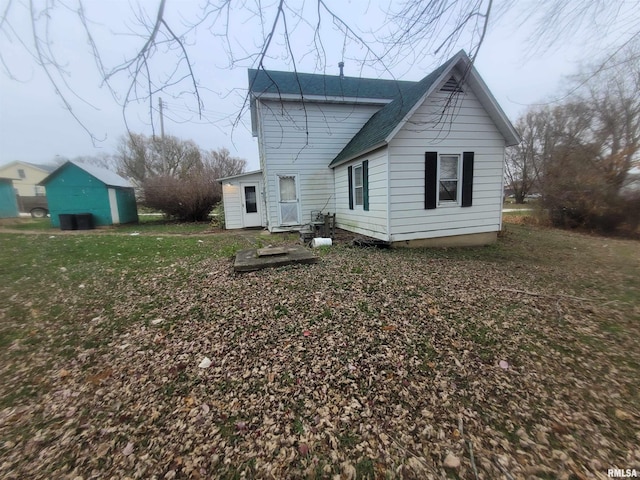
(308, 84)
(385, 120)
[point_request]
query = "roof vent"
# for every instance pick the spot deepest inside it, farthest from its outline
(451, 85)
(341, 67)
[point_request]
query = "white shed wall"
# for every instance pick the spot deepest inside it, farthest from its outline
(471, 130)
(232, 199)
(373, 222)
(286, 148)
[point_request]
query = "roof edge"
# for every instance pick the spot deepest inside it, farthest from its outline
(89, 171)
(240, 175)
(358, 155)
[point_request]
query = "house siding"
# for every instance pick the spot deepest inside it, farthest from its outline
(302, 139)
(232, 205)
(469, 129)
(373, 222)
(232, 200)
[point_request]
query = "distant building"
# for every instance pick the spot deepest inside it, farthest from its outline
(26, 177)
(8, 203)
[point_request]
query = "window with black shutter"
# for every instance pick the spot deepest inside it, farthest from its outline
(448, 181)
(358, 178)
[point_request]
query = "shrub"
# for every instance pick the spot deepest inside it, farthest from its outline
(189, 199)
(218, 220)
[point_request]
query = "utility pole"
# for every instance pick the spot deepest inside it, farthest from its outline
(161, 118)
(162, 152)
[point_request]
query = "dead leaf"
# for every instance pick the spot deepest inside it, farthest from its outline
(128, 450)
(451, 461)
(99, 377)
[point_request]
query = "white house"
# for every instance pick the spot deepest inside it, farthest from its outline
(411, 163)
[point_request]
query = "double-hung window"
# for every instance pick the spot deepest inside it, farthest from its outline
(448, 179)
(357, 185)
(358, 181)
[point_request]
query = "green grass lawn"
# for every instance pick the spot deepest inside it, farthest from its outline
(149, 224)
(366, 364)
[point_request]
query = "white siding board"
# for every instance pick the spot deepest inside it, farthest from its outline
(232, 206)
(374, 221)
(470, 129)
(401, 217)
(232, 200)
(303, 139)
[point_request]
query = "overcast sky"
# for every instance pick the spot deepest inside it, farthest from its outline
(35, 126)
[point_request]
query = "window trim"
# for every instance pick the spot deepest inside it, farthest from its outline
(357, 187)
(458, 180)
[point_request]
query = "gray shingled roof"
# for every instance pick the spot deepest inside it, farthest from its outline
(385, 120)
(292, 83)
(107, 177)
(43, 166)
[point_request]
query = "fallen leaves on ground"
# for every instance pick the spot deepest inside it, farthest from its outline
(403, 361)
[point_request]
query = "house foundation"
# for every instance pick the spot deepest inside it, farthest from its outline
(470, 240)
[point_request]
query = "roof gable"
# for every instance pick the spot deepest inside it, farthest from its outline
(105, 176)
(374, 133)
(385, 123)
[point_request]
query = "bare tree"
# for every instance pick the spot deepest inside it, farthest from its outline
(580, 152)
(615, 112)
(221, 164)
(283, 29)
(524, 161)
(141, 157)
(174, 175)
(290, 30)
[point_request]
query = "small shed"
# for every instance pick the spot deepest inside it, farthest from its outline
(244, 201)
(8, 201)
(78, 188)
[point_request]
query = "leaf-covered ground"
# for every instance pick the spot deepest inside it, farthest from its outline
(518, 360)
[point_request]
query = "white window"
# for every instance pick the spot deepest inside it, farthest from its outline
(358, 190)
(449, 179)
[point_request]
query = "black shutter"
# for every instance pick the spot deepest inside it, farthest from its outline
(365, 185)
(350, 180)
(467, 179)
(430, 180)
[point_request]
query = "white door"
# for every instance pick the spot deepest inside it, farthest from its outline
(113, 206)
(251, 216)
(288, 201)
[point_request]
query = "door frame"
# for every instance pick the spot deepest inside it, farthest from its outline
(296, 176)
(244, 207)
